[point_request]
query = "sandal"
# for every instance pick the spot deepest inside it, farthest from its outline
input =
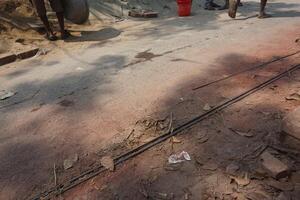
(65, 35)
(209, 7)
(51, 37)
(215, 5)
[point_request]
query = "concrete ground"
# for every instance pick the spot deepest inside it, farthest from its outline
(87, 94)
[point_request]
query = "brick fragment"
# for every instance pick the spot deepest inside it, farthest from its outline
(274, 166)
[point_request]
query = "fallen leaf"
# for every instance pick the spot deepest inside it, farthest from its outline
(108, 163)
(294, 96)
(175, 140)
(68, 163)
(241, 181)
(241, 133)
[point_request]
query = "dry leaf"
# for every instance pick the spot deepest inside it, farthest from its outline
(241, 133)
(294, 96)
(241, 181)
(175, 140)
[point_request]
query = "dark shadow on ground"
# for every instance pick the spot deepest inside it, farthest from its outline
(148, 176)
(30, 145)
(100, 35)
(31, 161)
(29, 152)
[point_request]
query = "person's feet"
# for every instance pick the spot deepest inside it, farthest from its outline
(51, 37)
(215, 5)
(263, 15)
(65, 34)
(209, 6)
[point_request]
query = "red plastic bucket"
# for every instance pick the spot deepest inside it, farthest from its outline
(184, 7)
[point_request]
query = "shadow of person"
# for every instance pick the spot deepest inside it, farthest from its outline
(99, 35)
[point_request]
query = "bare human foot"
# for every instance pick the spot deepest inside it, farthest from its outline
(233, 5)
(51, 36)
(263, 15)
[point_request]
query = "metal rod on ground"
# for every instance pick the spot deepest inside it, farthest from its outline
(132, 153)
(246, 70)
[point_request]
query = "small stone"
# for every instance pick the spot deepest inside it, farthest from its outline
(274, 166)
(291, 123)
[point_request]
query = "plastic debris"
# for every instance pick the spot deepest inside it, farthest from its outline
(178, 158)
(6, 94)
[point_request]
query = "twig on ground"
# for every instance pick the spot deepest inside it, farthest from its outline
(171, 123)
(54, 172)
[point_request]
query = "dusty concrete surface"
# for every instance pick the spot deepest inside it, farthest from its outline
(88, 93)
